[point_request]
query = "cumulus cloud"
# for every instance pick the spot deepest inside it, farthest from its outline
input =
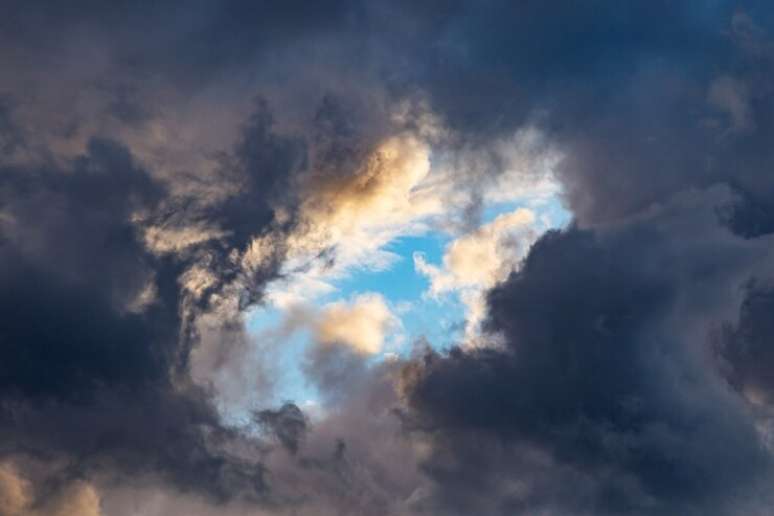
(362, 324)
(478, 260)
(481, 258)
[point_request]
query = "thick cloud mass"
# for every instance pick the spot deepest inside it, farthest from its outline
(72, 266)
(98, 328)
(161, 165)
(603, 372)
(746, 346)
(91, 325)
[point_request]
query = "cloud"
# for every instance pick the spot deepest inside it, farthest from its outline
(20, 497)
(141, 214)
(79, 499)
(730, 95)
(362, 324)
(287, 424)
(598, 347)
(378, 194)
(161, 240)
(355, 460)
(478, 260)
(97, 329)
(743, 347)
(14, 491)
(345, 220)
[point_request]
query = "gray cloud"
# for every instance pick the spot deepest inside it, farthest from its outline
(137, 169)
(605, 371)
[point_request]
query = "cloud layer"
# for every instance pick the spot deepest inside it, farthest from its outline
(165, 170)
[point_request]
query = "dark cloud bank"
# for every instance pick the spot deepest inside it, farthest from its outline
(633, 371)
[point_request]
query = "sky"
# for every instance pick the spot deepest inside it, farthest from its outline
(410, 304)
(408, 258)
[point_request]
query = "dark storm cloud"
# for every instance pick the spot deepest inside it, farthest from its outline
(98, 330)
(95, 355)
(619, 87)
(607, 378)
(261, 169)
(644, 98)
(10, 135)
(72, 266)
(598, 374)
(745, 346)
(190, 37)
(265, 165)
(634, 344)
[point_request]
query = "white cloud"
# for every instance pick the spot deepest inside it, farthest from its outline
(483, 257)
(401, 191)
(412, 184)
(345, 222)
(362, 324)
(478, 260)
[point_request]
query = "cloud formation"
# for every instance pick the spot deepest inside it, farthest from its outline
(18, 497)
(604, 370)
(362, 324)
(164, 170)
(14, 491)
(477, 258)
(477, 261)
